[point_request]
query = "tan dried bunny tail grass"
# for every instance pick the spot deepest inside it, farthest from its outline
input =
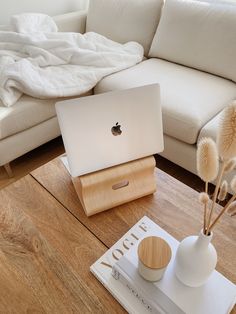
(203, 198)
(223, 191)
(230, 165)
(232, 209)
(233, 184)
(226, 139)
(207, 160)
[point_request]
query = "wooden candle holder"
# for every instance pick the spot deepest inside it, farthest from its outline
(105, 189)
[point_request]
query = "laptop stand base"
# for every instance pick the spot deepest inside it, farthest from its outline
(111, 187)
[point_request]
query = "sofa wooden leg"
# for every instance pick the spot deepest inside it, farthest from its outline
(8, 170)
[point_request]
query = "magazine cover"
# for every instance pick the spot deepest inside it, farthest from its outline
(218, 295)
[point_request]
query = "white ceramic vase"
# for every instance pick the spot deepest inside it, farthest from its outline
(195, 260)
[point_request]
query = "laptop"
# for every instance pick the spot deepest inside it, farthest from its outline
(108, 129)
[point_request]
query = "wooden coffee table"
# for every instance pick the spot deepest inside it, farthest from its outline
(47, 243)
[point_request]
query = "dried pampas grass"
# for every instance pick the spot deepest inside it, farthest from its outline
(208, 155)
(232, 209)
(230, 165)
(226, 140)
(233, 184)
(223, 191)
(203, 198)
(207, 160)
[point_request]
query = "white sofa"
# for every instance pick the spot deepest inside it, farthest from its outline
(191, 53)
(32, 122)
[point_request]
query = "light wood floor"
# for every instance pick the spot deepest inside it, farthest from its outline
(43, 154)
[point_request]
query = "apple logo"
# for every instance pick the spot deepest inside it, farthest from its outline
(115, 130)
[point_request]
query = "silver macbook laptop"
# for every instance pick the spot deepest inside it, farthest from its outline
(109, 129)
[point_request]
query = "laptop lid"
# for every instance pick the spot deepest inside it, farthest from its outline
(108, 129)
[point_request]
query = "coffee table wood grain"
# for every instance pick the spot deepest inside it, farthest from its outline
(47, 243)
(45, 255)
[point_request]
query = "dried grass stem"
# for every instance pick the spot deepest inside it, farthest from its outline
(215, 196)
(222, 212)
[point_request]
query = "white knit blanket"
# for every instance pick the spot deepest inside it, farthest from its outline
(37, 60)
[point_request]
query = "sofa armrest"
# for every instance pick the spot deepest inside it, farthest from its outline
(71, 22)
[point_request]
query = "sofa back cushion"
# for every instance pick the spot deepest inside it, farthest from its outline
(5, 28)
(71, 22)
(68, 22)
(125, 20)
(198, 34)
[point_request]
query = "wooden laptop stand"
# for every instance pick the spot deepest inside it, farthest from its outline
(104, 189)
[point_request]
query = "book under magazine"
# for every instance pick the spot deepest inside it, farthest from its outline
(117, 270)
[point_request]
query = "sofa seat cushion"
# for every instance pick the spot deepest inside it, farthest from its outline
(199, 34)
(26, 113)
(189, 98)
(125, 20)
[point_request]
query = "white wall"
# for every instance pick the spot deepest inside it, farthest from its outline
(50, 7)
